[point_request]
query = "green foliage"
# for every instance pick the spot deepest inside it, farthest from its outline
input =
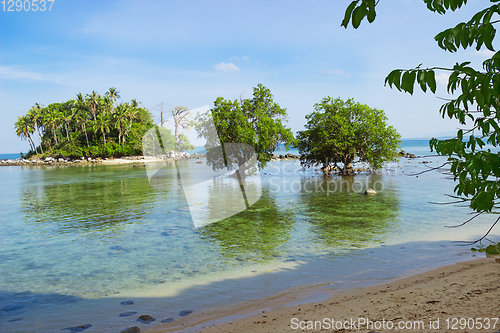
(89, 126)
(475, 102)
(339, 131)
(493, 249)
(182, 143)
(258, 122)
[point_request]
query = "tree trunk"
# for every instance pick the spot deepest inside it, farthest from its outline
(85, 130)
(55, 136)
(39, 136)
(347, 164)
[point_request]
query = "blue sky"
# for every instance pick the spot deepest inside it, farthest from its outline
(191, 52)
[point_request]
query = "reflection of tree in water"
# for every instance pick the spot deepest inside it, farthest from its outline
(344, 217)
(85, 199)
(255, 234)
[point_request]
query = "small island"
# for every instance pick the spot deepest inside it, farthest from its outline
(90, 128)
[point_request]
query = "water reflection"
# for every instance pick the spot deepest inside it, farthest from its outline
(69, 200)
(257, 233)
(347, 217)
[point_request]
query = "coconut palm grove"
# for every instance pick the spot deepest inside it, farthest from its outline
(91, 125)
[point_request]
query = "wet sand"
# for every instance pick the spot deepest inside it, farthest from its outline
(464, 297)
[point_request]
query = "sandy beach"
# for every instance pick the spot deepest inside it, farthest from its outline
(464, 297)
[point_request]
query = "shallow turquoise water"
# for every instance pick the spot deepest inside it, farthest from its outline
(95, 233)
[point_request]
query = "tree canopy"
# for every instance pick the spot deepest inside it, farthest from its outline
(340, 131)
(474, 100)
(90, 125)
(257, 122)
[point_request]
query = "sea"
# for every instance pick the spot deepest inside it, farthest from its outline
(101, 245)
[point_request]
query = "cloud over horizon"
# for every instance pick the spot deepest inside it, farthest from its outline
(229, 67)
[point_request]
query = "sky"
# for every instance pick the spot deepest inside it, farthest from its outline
(191, 52)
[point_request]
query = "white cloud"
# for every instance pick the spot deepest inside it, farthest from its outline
(336, 72)
(485, 53)
(12, 73)
(243, 58)
(442, 79)
(223, 67)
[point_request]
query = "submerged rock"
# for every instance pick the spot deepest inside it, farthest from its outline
(370, 191)
(127, 303)
(146, 319)
(14, 320)
(133, 329)
(168, 320)
(127, 314)
(78, 328)
(12, 307)
(184, 313)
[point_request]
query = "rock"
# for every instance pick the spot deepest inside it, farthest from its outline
(12, 307)
(199, 162)
(128, 314)
(14, 320)
(411, 156)
(402, 153)
(168, 320)
(78, 328)
(184, 313)
(145, 319)
(127, 303)
(133, 329)
(370, 191)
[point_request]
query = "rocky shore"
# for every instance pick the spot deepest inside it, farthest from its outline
(67, 161)
(170, 156)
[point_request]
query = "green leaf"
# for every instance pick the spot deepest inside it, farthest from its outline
(430, 78)
(348, 13)
(493, 249)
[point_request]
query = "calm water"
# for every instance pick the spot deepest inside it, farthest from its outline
(76, 241)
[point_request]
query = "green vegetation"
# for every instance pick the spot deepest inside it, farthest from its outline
(92, 126)
(493, 249)
(340, 131)
(475, 102)
(257, 122)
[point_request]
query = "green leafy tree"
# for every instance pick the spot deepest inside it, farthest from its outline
(475, 103)
(182, 143)
(341, 131)
(257, 122)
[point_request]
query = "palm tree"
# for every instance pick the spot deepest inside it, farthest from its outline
(81, 114)
(66, 115)
(113, 94)
(24, 129)
(35, 113)
(120, 116)
(102, 124)
(93, 100)
(53, 120)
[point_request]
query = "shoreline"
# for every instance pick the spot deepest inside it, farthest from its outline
(468, 289)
